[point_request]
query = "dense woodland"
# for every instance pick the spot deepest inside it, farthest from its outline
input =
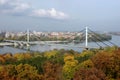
(93, 64)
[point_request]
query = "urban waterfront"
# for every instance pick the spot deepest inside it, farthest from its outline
(47, 47)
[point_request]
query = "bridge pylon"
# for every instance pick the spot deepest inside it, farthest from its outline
(86, 38)
(28, 39)
(28, 36)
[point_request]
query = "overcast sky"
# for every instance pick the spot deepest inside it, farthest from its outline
(59, 15)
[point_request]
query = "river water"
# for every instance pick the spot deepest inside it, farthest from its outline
(47, 47)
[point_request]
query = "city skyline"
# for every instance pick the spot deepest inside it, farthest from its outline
(59, 15)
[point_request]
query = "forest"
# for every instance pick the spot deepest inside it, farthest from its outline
(92, 64)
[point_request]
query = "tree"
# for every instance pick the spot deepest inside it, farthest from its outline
(109, 63)
(50, 54)
(89, 74)
(85, 64)
(2, 59)
(85, 55)
(69, 67)
(21, 56)
(7, 72)
(52, 71)
(19, 72)
(27, 72)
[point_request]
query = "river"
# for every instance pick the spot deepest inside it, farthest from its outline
(46, 47)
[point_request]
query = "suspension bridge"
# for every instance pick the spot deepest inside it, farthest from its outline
(86, 34)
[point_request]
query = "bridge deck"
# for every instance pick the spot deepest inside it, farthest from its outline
(6, 44)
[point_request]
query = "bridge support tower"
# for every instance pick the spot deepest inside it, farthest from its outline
(86, 39)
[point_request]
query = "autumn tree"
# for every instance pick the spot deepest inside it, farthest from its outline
(89, 74)
(69, 67)
(52, 71)
(109, 63)
(27, 72)
(50, 54)
(2, 59)
(85, 64)
(21, 56)
(7, 72)
(19, 72)
(85, 55)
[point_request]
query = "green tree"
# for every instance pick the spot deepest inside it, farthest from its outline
(85, 55)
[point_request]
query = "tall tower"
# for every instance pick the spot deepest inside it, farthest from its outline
(28, 36)
(86, 38)
(28, 39)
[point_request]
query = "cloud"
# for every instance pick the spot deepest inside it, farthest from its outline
(22, 6)
(13, 7)
(2, 2)
(16, 7)
(53, 13)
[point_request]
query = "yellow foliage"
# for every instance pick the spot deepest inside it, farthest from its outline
(85, 53)
(50, 54)
(71, 63)
(18, 56)
(7, 56)
(21, 56)
(27, 72)
(86, 64)
(69, 67)
(1, 68)
(27, 55)
(68, 58)
(19, 72)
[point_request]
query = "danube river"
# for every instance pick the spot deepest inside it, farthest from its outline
(47, 47)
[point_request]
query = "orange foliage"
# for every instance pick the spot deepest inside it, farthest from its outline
(2, 59)
(108, 63)
(89, 74)
(52, 71)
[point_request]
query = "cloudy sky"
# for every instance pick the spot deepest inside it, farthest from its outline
(59, 15)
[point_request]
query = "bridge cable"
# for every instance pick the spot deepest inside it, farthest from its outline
(102, 37)
(98, 38)
(82, 30)
(83, 36)
(35, 36)
(94, 41)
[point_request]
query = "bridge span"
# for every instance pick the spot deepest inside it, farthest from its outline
(97, 38)
(6, 44)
